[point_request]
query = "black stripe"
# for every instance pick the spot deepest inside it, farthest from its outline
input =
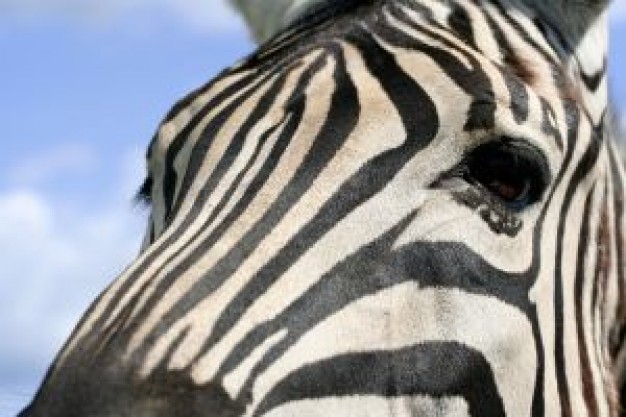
(473, 81)
(584, 245)
(538, 406)
(520, 108)
(116, 298)
(604, 253)
(375, 267)
(437, 369)
(293, 116)
(461, 24)
(584, 167)
(523, 34)
(197, 159)
(513, 68)
(547, 123)
(341, 120)
(592, 81)
(556, 67)
(208, 136)
(420, 120)
(198, 154)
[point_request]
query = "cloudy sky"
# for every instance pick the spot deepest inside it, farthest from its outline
(84, 84)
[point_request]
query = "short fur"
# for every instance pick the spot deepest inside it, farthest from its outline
(571, 18)
(267, 17)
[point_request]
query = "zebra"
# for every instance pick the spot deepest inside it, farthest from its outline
(391, 208)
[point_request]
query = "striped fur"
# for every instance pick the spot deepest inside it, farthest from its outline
(322, 241)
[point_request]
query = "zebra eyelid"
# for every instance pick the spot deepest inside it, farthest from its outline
(495, 167)
(509, 163)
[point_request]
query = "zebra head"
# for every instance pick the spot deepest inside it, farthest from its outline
(392, 208)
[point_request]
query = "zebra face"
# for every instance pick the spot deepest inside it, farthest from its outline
(407, 209)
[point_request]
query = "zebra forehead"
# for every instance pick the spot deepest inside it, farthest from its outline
(519, 36)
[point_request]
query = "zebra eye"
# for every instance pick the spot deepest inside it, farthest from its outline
(515, 173)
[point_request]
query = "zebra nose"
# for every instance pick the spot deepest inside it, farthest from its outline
(163, 394)
(175, 394)
(25, 412)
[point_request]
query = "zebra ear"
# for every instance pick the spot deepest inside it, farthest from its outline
(572, 18)
(267, 17)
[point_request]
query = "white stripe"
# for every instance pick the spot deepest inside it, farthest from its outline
(372, 406)
(406, 315)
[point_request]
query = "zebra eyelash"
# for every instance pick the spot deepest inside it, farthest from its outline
(511, 171)
(144, 194)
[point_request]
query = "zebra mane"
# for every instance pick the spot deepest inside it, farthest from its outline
(267, 18)
(571, 18)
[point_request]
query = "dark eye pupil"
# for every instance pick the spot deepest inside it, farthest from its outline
(515, 174)
(510, 191)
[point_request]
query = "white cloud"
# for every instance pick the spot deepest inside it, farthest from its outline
(214, 15)
(74, 159)
(207, 15)
(56, 257)
(12, 403)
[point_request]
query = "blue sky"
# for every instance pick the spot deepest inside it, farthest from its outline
(83, 86)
